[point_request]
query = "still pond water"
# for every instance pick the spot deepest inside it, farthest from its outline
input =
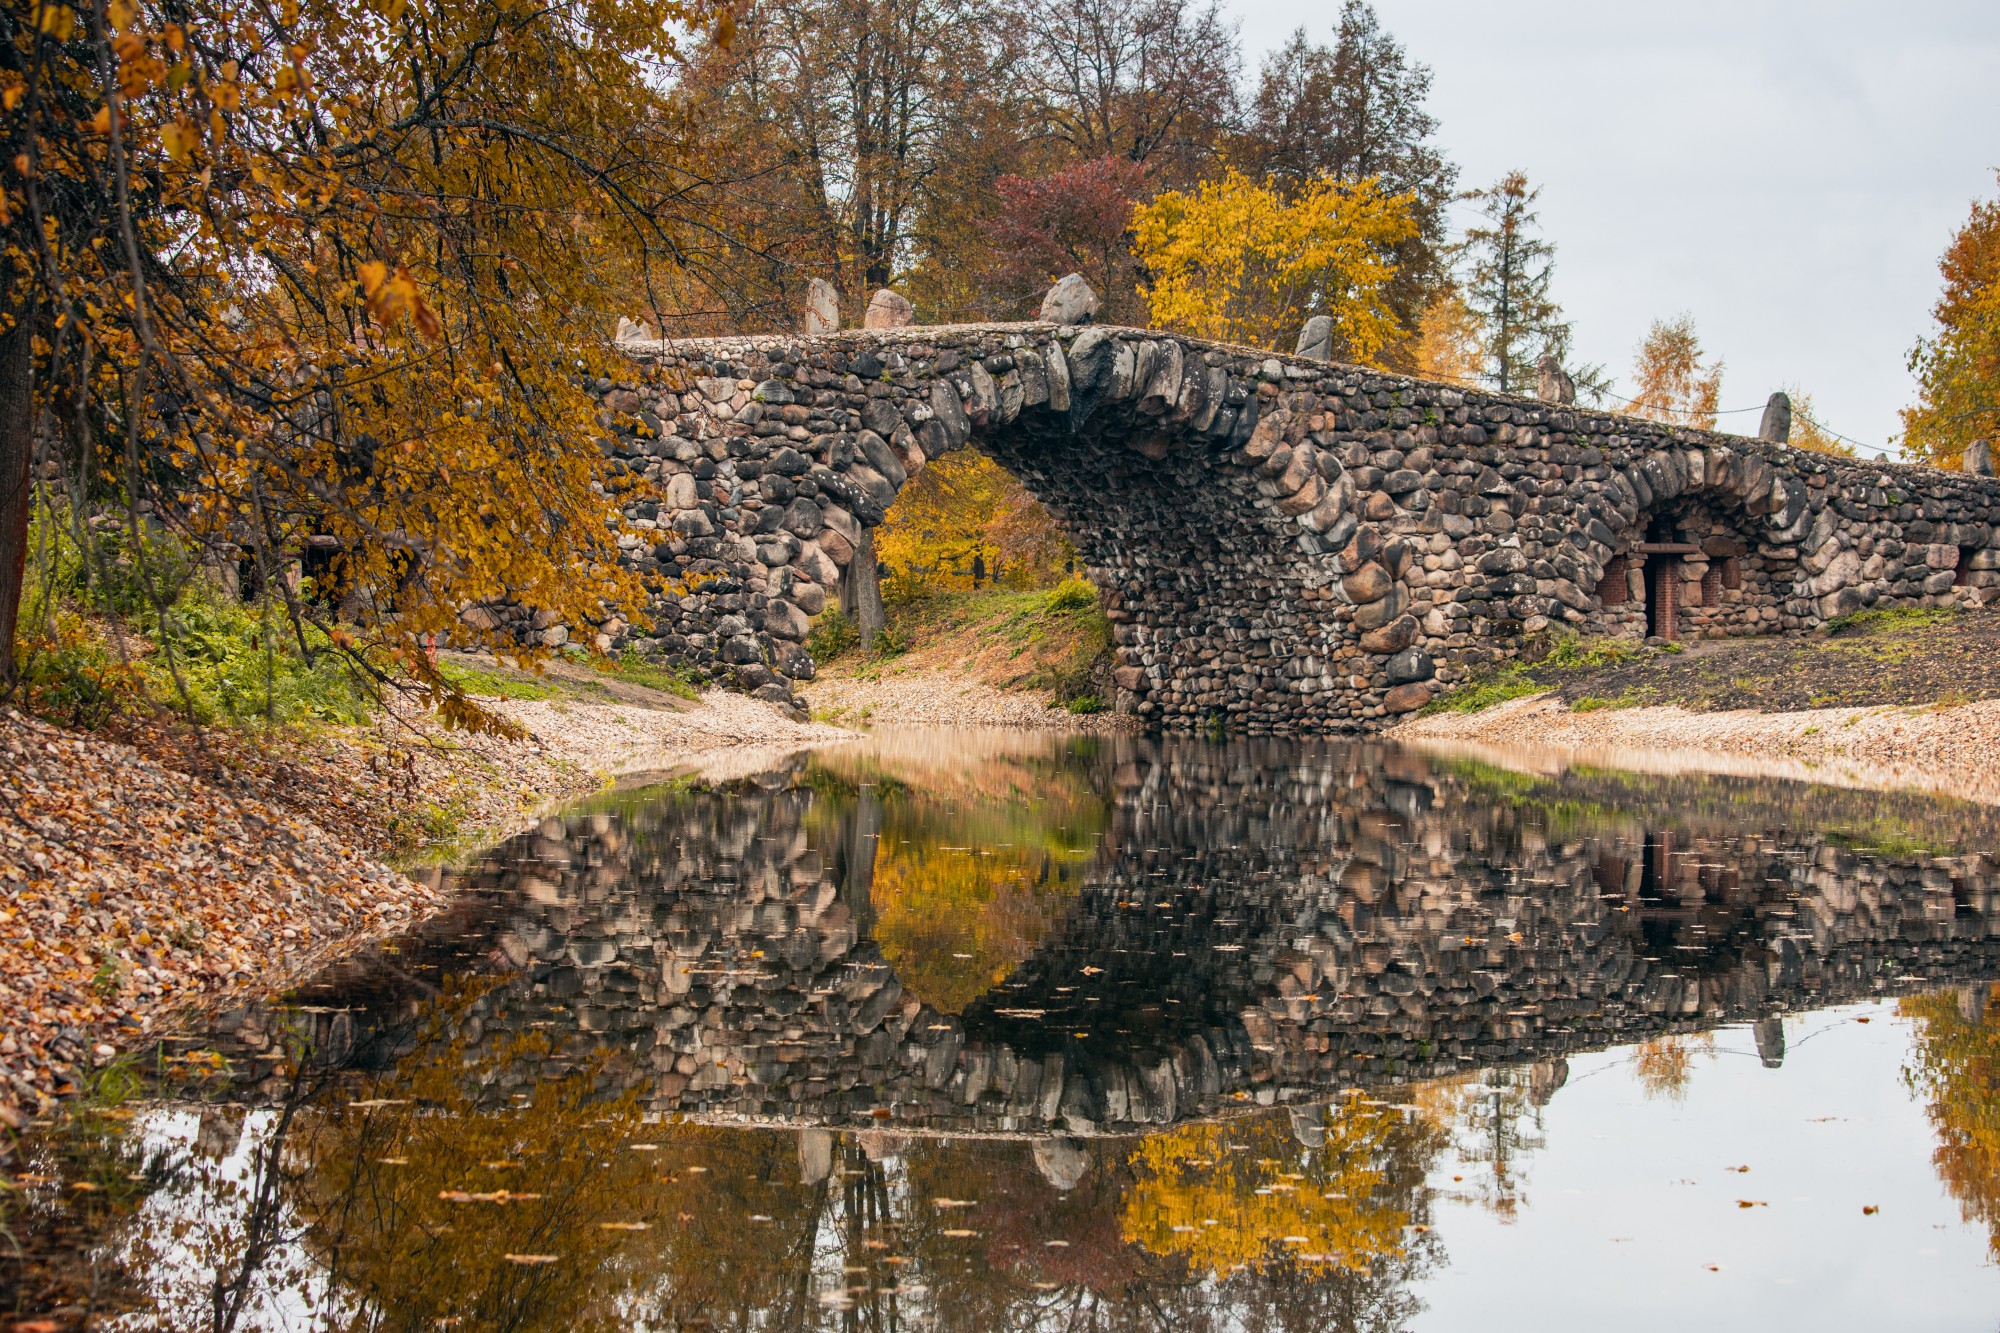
(992, 1031)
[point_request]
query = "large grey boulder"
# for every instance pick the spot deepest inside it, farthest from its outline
(1316, 338)
(888, 310)
(1070, 301)
(1776, 427)
(822, 307)
(1978, 459)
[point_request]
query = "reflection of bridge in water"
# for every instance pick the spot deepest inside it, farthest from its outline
(1264, 922)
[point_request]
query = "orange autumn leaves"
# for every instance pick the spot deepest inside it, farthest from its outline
(343, 269)
(391, 296)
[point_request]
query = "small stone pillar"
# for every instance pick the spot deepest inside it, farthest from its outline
(1552, 382)
(1070, 301)
(1316, 338)
(1978, 459)
(822, 307)
(888, 310)
(861, 590)
(1776, 427)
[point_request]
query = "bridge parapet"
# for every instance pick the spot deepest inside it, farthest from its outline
(1284, 544)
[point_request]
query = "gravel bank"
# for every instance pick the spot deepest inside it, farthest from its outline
(1954, 751)
(936, 700)
(617, 739)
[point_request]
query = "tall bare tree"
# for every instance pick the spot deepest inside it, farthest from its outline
(1149, 80)
(841, 115)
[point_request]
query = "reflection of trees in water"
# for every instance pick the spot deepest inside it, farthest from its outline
(1315, 1192)
(401, 1205)
(976, 856)
(1955, 1067)
(1493, 1119)
(1665, 1064)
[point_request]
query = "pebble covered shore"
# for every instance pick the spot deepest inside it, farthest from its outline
(1946, 750)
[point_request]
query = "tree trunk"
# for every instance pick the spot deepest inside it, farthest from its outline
(17, 450)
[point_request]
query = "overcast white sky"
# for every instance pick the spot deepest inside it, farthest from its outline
(1788, 173)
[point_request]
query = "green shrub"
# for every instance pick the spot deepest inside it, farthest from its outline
(240, 665)
(833, 633)
(1569, 652)
(1085, 704)
(1073, 594)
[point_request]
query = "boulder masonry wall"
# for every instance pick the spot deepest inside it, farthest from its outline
(1283, 544)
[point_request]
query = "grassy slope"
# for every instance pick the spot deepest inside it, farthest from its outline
(1010, 640)
(1903, 657)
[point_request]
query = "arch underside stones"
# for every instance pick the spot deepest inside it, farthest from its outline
(1260, 928)
(1283, 544)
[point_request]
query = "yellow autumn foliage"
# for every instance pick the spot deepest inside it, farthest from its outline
(964, 505)
(1955, 1067)
(1242, 262)
(1245, 1195)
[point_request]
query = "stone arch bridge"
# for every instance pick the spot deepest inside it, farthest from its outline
(1283, 543)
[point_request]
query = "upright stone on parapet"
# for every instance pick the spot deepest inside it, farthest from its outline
(1552, 382)
(1070, 301)
(1776, 427)
(888, 310)
(632, 331)
(1978, 459)
(1316, 338)
(822, 307)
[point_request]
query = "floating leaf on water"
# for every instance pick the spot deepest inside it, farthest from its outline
(643, 1147)
(956, 1203)
(960, 1234)
(530, 1258)
(1738, 1169)
(625, 1226)
(695, 1170)
(501, 1165)
(760, 1217)
(1870, 1209)
(1056, 1244)
(392, 1161)
(378, 1102)
(1752, 1203)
